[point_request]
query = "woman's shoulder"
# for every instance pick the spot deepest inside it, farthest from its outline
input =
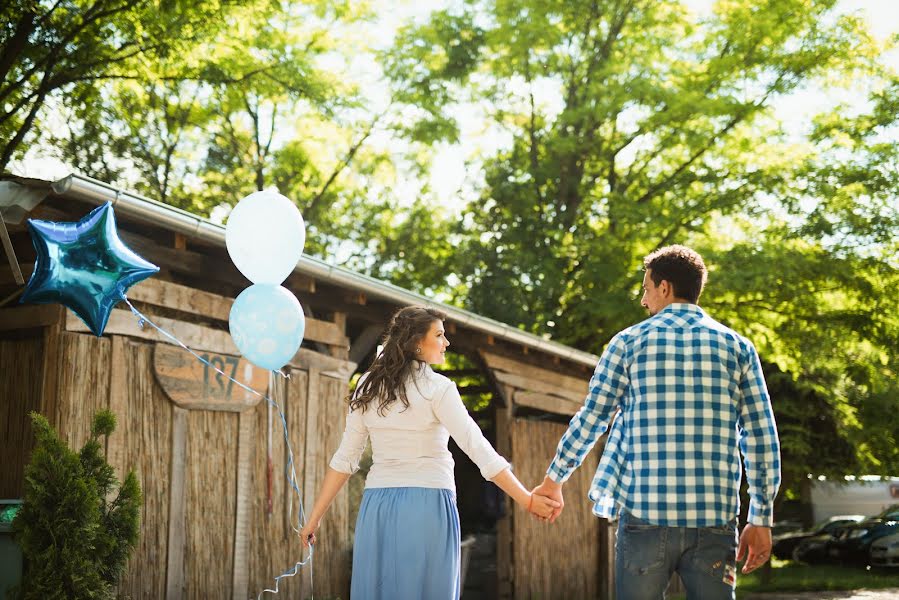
(432, 385)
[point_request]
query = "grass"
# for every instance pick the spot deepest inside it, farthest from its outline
(788, 576)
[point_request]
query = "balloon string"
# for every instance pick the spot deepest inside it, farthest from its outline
(290, 469)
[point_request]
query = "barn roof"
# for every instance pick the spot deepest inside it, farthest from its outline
(193, 227)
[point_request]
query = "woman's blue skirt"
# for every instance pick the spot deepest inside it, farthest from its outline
(407, 545)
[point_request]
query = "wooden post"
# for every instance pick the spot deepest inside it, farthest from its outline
(175, 580)
(504, 568)
(313, 457)
(340, 351)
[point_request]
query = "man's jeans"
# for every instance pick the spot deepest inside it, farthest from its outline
(646, 555)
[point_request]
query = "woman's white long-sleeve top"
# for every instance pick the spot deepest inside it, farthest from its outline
(409, 445)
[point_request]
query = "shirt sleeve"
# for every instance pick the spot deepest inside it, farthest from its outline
(355, 436)
(759, 443)
(453, 415)
(605, 393)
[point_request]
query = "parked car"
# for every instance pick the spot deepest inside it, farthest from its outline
(814, 550)
(785, 527)
(786, 543)
(854, 543)
(885, 551)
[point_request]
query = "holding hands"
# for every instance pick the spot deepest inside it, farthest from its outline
(541, 506)
(553, 491)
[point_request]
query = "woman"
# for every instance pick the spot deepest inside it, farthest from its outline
(407, 534)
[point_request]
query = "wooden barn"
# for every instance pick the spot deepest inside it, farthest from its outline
(215, 519)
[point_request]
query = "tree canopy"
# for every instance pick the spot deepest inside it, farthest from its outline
(631, 124)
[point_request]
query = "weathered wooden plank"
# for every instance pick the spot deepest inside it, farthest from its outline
(341, 349)
(327, 365)
(197, 337)
(546, 402)
(158, 292)
(535, 385)
(176, 584)
(515, 367)
(245, 442)
(30, 315)
(118, 399)
(504, 574)
(536, 547)
(146, 428)
(194, 385)
(211, 484)
(273, 547)
(20, 389)
(313, 457)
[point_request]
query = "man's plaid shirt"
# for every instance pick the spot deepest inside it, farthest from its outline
(692, 398)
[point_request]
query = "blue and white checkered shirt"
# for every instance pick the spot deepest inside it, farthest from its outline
(692, 399)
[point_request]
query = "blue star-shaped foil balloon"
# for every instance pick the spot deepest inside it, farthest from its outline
(84, 266)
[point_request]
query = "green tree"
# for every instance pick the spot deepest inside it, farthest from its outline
(60, 50)
(658, 128)
(75, 534)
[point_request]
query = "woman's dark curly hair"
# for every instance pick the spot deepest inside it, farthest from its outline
(385, 381)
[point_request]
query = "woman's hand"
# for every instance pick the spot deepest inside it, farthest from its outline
(307, 533)
(541, 506)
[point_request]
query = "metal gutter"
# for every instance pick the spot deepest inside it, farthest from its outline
(180, 221)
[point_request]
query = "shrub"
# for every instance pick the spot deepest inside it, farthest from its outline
(75, 531)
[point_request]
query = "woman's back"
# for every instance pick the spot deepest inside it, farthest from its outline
(409, 444)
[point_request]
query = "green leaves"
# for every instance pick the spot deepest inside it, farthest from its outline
(74, 542)
(664, 133)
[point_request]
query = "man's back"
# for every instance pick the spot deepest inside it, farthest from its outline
(692, 392)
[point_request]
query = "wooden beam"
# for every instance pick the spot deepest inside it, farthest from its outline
(536, 385)
(31, 315)
(546, 402)
(10, 253)
(510, 365)
(125, 323)
(158, 292)
(204, 339)
(355, 297)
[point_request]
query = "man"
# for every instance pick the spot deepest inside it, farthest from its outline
(690, 398)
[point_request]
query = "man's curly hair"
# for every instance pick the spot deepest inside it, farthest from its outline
(680, 266)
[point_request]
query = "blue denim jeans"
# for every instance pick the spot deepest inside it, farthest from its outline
(646, 555)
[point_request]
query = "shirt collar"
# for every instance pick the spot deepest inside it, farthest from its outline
(683, 309)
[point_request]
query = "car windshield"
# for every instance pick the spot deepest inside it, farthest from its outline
(890, 514)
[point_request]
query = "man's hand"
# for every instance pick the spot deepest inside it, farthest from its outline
(553, 490)
(542, 507)
(756, 541)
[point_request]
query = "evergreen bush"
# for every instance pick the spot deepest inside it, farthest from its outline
(75, 530)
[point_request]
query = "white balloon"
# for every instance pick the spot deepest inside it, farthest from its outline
(265, 235)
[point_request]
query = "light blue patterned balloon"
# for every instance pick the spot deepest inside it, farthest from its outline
(267, 325)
